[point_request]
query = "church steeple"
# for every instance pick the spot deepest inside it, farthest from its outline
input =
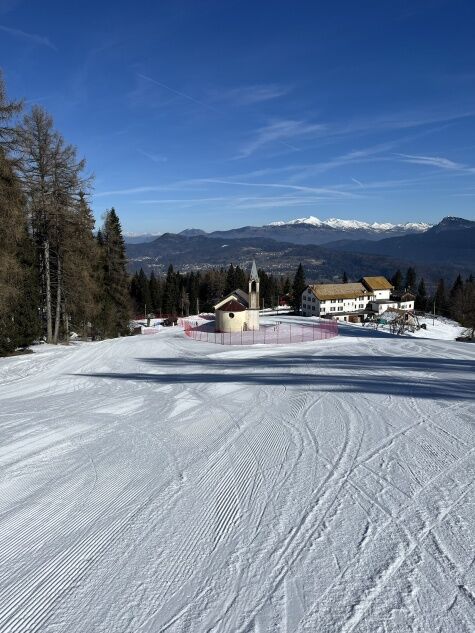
(254, 275)
(254, 301)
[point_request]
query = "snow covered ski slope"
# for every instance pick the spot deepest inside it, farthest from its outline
(160, 484)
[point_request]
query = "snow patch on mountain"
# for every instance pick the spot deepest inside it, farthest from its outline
(354, 225)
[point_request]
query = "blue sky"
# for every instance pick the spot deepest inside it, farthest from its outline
(216, 114)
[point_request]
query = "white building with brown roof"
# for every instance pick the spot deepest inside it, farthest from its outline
(335, 299)
(353, 301)
(380, 287)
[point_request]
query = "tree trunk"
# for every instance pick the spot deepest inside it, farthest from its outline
(66, 324)
(47, 273)
(58, 304)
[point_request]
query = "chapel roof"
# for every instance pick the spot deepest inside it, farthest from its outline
(237, 295)
(232, 306)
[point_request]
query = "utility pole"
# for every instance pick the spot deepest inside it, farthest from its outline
(433, 315)
(197, 305)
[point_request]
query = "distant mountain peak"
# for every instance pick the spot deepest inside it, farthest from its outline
(453, 222)
(192, 232)
(356, 225)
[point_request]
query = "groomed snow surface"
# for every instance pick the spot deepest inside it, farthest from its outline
(156, 483)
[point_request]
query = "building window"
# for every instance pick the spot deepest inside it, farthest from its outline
(231, 315)
(332, 309)
(340, 308)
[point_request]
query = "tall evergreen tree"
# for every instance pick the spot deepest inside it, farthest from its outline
(155, 293)
(457, 287)
(193, 289)
(116, 309)
(396, 281)
(230, 280)
(411, 279)
(421, 297)
(170, 292)
(463, 306)
(241, 279)
(286, 286)
(344, 278)
(144, 296)
(81, 296)
(440, 298)
(298, 287)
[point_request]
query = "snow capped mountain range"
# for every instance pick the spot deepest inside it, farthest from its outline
(352, 225)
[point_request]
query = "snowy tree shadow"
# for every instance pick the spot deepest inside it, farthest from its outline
(419, 377)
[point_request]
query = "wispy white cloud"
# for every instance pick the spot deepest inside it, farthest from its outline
(244, 202)
(436, 161)
(155, 158)
(282, 132)
(433, 161)
(182, 200)
(130, 191)
(249, 95)
(280, 202)
(402, 121)
(178, 93)
(41, 40)
(279, 185)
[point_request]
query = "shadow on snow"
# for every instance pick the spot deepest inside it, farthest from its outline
(419, 377)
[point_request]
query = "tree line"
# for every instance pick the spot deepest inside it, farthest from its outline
(56, 274)
(181, 294)
(455, 301)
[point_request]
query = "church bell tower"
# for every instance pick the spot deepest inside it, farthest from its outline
(254, 299)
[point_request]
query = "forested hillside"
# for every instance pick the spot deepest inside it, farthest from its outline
(56, 274)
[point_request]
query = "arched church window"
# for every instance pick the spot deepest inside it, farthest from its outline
(253, 286)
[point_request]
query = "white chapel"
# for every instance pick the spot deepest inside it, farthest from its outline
(239, 311)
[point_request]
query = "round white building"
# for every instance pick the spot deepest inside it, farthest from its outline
(239, 311)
